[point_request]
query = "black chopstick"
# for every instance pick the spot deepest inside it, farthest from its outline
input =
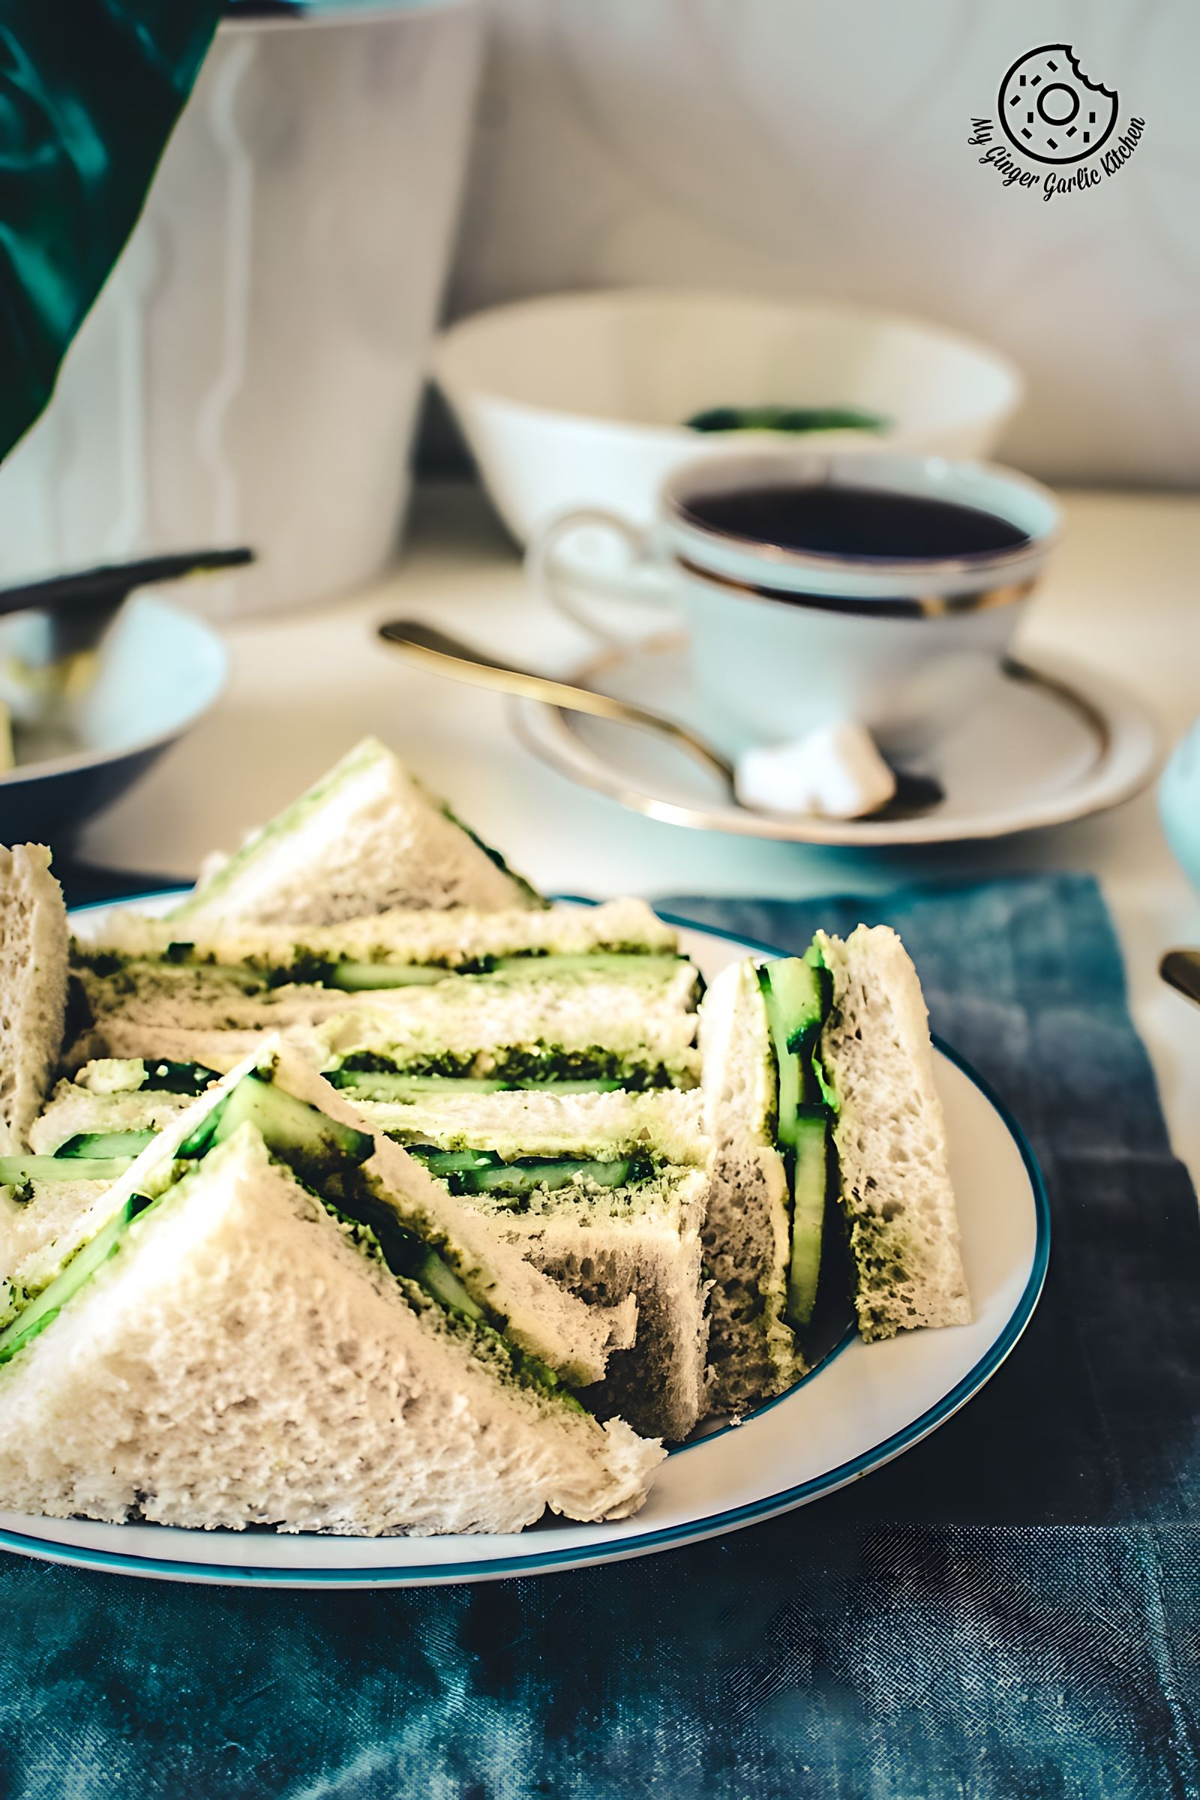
(110, 583)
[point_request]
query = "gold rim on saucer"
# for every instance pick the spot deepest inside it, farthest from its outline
(1127, 740)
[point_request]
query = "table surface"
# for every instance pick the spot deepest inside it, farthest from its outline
(304, 686)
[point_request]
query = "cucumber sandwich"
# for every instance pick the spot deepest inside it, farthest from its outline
(402, 947)
(141, 987)
(605, 1191)
(365, 837)
(623, 1018)
(830, 1184)
(277, 1316)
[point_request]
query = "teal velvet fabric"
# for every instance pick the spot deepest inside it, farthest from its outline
(89, 92)
(1011, 1611)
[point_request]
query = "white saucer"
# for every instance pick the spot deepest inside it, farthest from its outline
(1049, 744)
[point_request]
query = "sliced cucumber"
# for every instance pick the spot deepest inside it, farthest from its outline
(810, 1180)
(308, 1140)
(799, 991)
(453, 1162)
(357, 977)
(16, 1170)
(791, 1091)
(486, 1172)
(106, 1143)
(521, 1178)
(439, 1279)
(373, 1085)
(381, 1085)
(46, 1307)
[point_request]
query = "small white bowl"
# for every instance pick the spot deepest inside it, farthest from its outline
(580, 399)
(160, 670)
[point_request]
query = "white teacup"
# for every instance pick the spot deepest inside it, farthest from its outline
(784, 640)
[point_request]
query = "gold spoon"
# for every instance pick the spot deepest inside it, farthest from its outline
(445, 655)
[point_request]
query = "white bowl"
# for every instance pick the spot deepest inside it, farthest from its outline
(160, 670)
(579, 399)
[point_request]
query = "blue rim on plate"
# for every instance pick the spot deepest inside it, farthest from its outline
(674, 1536)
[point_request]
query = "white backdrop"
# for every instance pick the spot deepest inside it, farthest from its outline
(814, 147)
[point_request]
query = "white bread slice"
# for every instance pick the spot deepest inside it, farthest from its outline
(239, 1362)
(364, 838)
(535, 1312)
(891, 1139)
(641, 1026)
(668, 1123)
(752, 1351)
(32, 1218)
(33, 986)
(450, 938)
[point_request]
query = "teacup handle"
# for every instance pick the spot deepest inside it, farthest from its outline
(549, 581)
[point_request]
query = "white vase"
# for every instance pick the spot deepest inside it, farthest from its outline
(252, 369)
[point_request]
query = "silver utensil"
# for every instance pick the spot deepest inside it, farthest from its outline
(81, 605)
(1180, 969)
(450, 656)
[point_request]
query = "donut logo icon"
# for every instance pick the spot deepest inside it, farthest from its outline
(1050, 111)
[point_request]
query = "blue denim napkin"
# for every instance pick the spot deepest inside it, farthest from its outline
(1010, 1610)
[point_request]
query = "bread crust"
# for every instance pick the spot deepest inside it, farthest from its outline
(33, 986)
(890, 1136)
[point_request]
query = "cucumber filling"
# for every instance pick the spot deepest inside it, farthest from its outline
(385, 1085)
(797, 994)
(325, 1156)
(45, 1308)
(486, 1172)
(105, 1143)
(166, 1077)
(509, 1066)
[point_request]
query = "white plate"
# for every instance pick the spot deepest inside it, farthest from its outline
(857, 1411)
(1048, 744)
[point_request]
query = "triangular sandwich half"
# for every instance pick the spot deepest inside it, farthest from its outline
(363, 838)
(603, 1190)
(33, 973)
(275, 1317)
(831, 1185)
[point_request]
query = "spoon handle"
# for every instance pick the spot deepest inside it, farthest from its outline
(449, 656)
(1180, 969)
